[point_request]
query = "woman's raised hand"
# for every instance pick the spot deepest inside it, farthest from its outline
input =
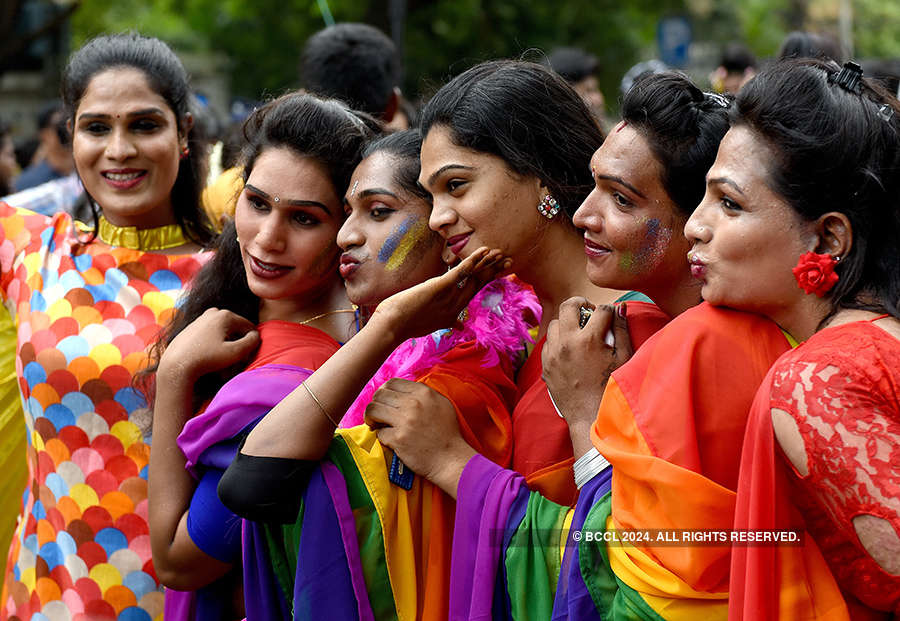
(437, 302)
(215, 340)
(578, 357)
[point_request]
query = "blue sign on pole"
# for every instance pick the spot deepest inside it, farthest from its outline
(673, 35)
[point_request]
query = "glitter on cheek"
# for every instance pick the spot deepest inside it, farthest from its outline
(654, 245)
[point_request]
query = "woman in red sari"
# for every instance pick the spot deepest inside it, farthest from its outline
(816, 192)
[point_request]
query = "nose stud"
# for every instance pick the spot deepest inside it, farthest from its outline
(276, 199)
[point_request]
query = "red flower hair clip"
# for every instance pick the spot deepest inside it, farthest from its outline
(815, 273)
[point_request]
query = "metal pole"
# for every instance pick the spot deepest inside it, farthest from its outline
(845, 26)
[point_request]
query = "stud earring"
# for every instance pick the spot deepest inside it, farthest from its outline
(548, 207)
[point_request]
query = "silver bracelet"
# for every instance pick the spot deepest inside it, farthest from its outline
(588, 466)
(552, 402)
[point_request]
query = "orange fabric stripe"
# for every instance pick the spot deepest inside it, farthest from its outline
(671, 424)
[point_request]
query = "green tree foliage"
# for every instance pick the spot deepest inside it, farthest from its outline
(262, 39)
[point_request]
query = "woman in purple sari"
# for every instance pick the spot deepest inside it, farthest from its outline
(272, 291)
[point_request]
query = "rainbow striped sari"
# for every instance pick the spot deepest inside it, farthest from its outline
(671, 425)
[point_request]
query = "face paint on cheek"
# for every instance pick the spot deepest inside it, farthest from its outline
(653, 246)
(406, 242)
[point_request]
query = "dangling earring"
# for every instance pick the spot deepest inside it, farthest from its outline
(185, 152)
(815, 273)
(548, 207)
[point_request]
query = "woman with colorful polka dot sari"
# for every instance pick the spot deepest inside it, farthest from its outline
(87, 302)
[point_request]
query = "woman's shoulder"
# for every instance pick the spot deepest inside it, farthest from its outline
(707, 333)
(860, 353)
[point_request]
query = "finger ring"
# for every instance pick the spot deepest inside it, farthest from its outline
(583, 315)
(461, 282)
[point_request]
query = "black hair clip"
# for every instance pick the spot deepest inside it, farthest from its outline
(848, 78)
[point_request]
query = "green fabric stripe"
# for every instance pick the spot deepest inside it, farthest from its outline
(615, 600)
(282, 541)
(637, 296)
(532, 559)
(368, 532)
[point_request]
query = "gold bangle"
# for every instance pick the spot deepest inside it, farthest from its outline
(319, 403)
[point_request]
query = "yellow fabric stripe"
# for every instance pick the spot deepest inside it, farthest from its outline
(13, 464)
(790, 339)
(409, 241)
(564, 533)
(394, 510)
(670, 596)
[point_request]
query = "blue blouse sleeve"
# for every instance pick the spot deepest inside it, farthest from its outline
(212, 527)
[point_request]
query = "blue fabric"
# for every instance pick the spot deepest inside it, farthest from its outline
(573, 600)
(323, 581)
(212, 527)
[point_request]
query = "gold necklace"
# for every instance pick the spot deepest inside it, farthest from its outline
(340, 310)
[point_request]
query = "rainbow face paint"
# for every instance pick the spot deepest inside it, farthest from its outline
(409, 240)
(651, 248)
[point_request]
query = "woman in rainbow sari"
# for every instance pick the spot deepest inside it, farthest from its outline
(354, 504)
(814, 200)
(670, 421)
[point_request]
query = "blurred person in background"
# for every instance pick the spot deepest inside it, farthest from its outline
(804, 44)
(355, 63)
(8, 165)
(53, 158)
(737, 66)
(579, 69)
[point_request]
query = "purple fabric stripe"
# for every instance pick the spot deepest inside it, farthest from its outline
(486, 494)
(338, 488)
(244, 399)
(323, 584)
(263, 598)
(179, 605)
(502, 604)
(573, 600)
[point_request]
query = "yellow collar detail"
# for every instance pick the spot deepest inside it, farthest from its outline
(160, 238)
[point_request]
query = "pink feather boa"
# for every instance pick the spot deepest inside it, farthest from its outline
(497, 321)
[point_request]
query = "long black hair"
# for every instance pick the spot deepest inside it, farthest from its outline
(683, 126)
(167, 77)
(324, 130)
(528, 116)
(404, 147)
(836, 149)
